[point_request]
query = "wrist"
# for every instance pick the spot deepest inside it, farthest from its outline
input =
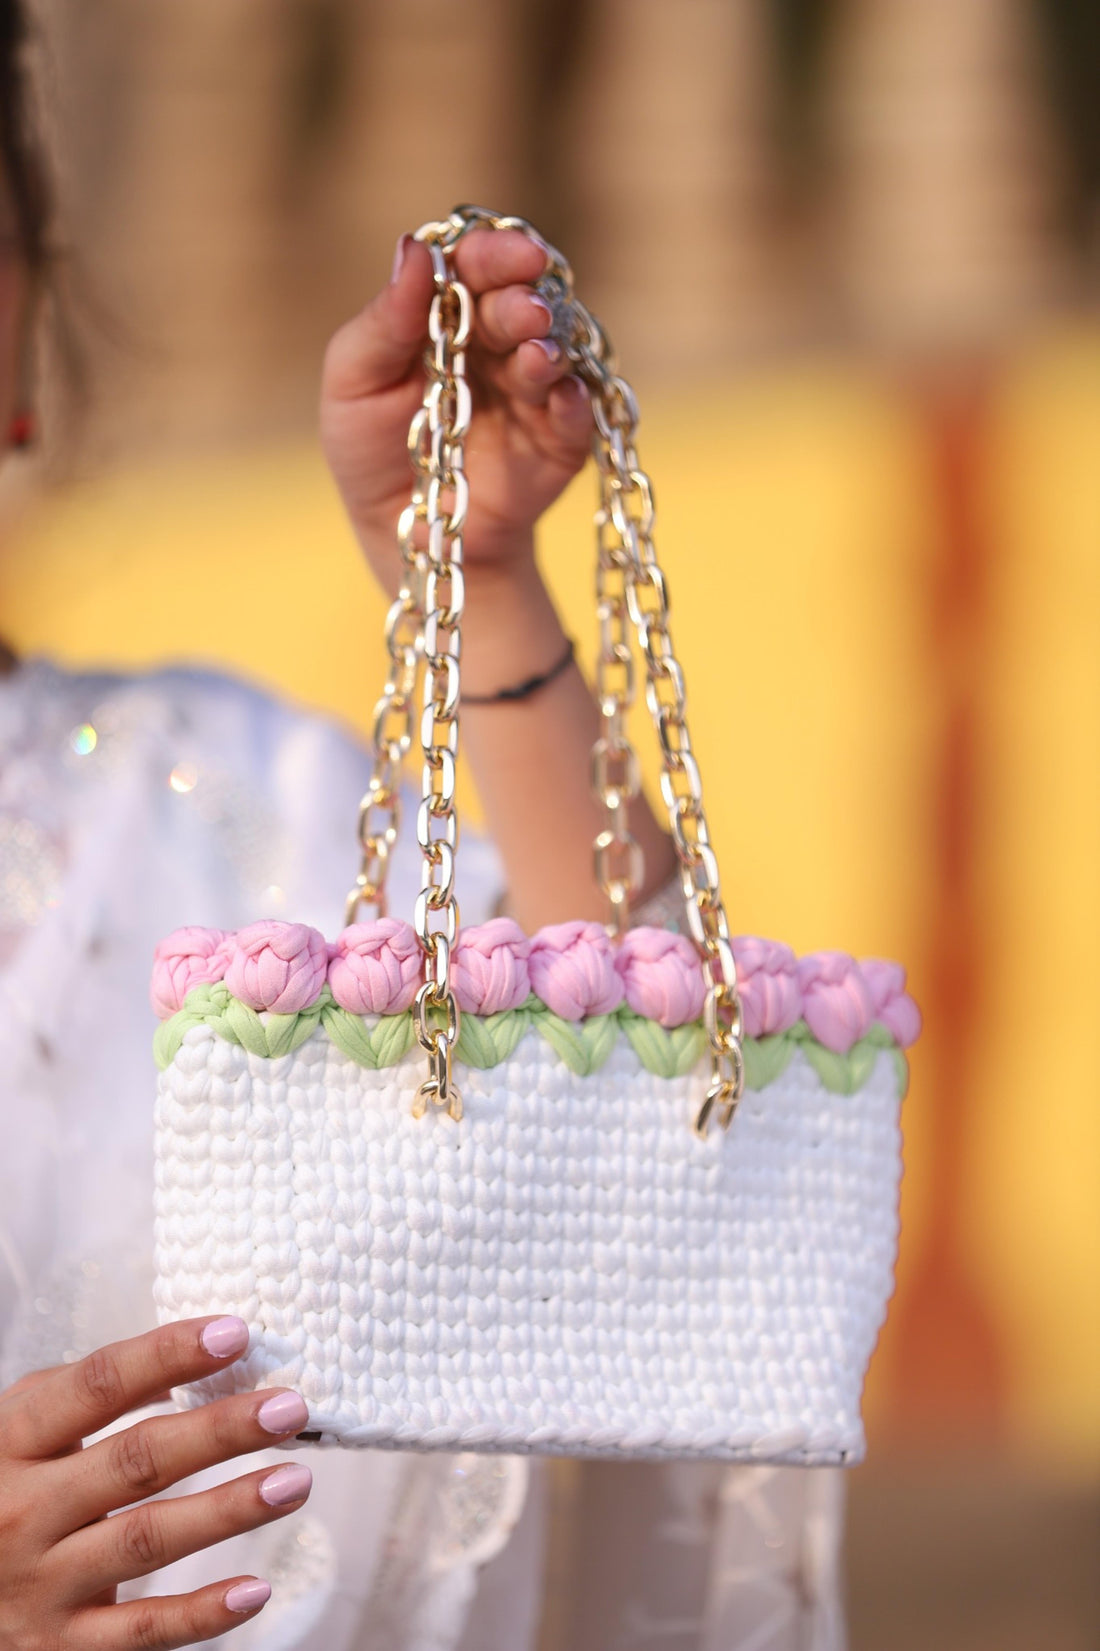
(511, 628)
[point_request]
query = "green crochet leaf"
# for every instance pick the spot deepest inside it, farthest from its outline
(830, 1067)
(374, 1047)
(879, 1035)
(650, 1043)
(245, 1027)
(861, 1062)
(167, 1040)
(766, 1059)
(350, 1034)
(285, 1033)
(392, 1039)
(668, 1053)
(901, 1069)
(688, 1046)
(843, 1074)
(583, 1045)
(485, 1041)
(206, 1006)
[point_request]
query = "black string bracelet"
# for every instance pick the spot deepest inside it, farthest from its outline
(523, 690)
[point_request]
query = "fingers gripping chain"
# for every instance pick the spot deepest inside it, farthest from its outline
(424, 639)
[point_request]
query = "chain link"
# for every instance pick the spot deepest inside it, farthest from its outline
(631, 595)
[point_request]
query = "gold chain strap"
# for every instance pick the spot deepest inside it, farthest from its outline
(616, 777)
(438, 438)
(380, 809)
(629, 586)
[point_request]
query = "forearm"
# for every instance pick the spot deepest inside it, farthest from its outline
(531, 758)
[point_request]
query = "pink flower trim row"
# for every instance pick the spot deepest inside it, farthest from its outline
(375, 969)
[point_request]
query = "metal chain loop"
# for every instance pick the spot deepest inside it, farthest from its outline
(424, 629)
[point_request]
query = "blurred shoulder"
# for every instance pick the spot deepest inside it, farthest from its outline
(246, 761)
(196, 705)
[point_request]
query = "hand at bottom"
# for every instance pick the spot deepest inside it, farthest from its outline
(61, 1557)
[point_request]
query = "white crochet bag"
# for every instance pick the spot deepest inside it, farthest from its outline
(545, 1244)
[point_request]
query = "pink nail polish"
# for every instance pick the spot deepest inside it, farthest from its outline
(285, 1413)
(573, 388)
(400, 252)
(248, 1596)
(286, 1485)
(225, 1337)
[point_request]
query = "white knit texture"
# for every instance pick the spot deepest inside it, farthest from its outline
(569, 1269)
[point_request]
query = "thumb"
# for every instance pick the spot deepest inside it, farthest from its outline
(381, 345)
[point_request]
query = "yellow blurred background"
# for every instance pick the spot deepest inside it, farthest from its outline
(849, 255)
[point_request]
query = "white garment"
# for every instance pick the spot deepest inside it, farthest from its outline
(129, 807)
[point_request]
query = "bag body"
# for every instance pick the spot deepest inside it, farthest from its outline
(642, 1202)
(569, 1269)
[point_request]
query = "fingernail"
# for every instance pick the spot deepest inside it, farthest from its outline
(285, 1413)
(550, 350)
(403, 244)
(542, 306)
(286, 1485)
(248, 1596)
(225, 1337)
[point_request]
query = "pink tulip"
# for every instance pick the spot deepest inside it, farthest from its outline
(490, 967)
(836, 1002)
(189, 957)
(572, 969)
(661, 975)
(376, 967)
(891, 1002)
(767, 975)
(277, 966)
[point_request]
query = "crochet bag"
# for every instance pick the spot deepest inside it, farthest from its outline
(644, 1201)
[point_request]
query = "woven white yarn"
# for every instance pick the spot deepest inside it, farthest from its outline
(569, 1269)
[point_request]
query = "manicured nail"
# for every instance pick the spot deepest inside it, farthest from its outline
(550, 350)
(403, 245)
(542, 306)
(225, 1337)
(286, 1485)
(248, 1596)
(285, 1413)
(572, 388)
